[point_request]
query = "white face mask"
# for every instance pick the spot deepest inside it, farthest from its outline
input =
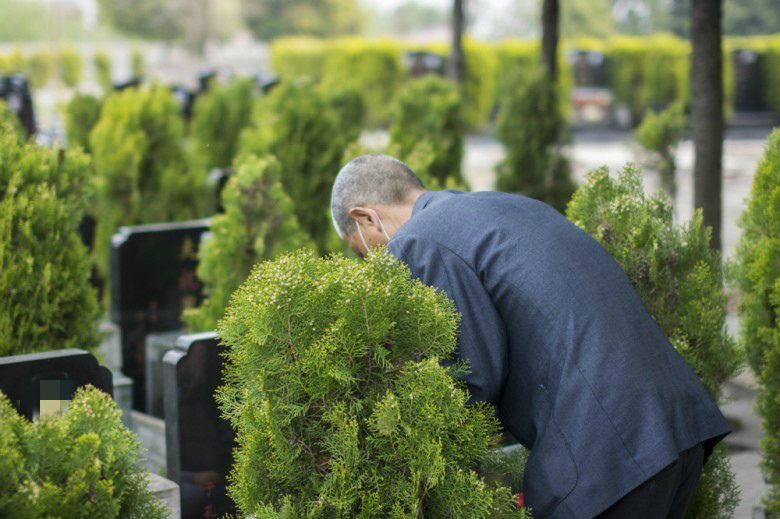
(360, 233)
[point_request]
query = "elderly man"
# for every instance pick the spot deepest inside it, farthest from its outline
(557, 338)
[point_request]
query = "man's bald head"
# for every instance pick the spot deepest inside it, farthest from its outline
(370, 180)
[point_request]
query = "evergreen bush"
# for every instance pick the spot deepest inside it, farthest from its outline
(80, 465)
(40, 68)
(102, 62)
(479, 85)
(70, 67)
(259, 223)
(350, 106)
(47, 300)
(533, 129)
(757, 273)
(142, 177)
(341, 407)
(9, 121)
(430, 110)
(659, 134)
(81, 115)
(679, 279)
(138, 63)
(296, 125)
(218, 118)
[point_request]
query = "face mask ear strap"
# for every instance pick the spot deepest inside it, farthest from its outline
(360, 233)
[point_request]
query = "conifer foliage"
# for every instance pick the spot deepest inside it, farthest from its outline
(47, 301)
(219, 116)
(140, 167)
(531, 127)
(427, 119)
(81, 465)
(342, 409)
(679, 279)
(81, 115)
(259, 223)
(296, 125)
(758, 278)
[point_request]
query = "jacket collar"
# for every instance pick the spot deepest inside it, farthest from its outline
(422, 201)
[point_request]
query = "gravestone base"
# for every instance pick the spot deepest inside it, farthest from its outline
(123, 396)
(166, 491)
(151, 433)
(110, 350)
(157, 345)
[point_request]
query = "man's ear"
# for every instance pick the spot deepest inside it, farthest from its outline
(362, 215)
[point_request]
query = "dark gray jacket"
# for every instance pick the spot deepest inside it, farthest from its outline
(562, 345)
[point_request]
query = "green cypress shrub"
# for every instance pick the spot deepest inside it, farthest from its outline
(296, 125)
(218, 118)
(429, 110)
(79, 465)
(47, 301)
(532, 128)
(259, 223)
(679, 279)
(138, 63)
(757, 275)
(70, 67)
(9, 122)
(350, 106)
(341, 407)
(139, 159)
(659, 134)
(81, 115)
(103, 73)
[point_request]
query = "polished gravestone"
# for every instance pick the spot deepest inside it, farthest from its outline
(152, 281)
(748, 81)
(40, 384)
(591, 96)
(218, 179)
(199, 441)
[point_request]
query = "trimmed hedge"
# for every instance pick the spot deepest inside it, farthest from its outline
(648, 72)
(71, 66)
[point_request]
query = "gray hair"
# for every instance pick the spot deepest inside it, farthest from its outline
(369, 179)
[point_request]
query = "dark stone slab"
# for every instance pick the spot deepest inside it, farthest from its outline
(420, 63)
(199, 442)
(218, 178)
(748, 81)
(15, 91)
(589, 68)
(152, 280)
(37, 382)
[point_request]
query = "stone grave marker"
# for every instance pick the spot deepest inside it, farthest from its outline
(591, 96)
(41, 384)
(218, 178)
(152, 281)
(199, 442)
(748, 81)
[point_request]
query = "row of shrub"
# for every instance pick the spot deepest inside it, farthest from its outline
(645, 72)
(41, 66)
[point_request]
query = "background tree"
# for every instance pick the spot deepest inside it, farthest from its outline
(550, 30)
(707, 112)
(659, 134)
(269, 19)
(457, 62)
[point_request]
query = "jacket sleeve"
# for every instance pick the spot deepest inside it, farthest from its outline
(482, 334)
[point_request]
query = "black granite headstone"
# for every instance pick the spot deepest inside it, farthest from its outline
(748, 81)
(419, 63)
(40, 383)
(15, 91)
(152, 281)
(199, 442)
(589, 68)
(218, 178)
